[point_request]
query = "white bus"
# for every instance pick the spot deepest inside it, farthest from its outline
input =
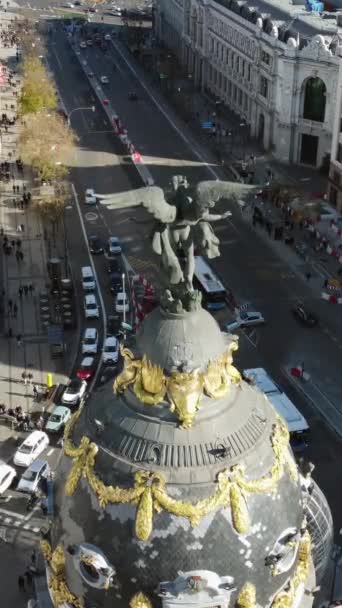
(296, 423)
(213, 292)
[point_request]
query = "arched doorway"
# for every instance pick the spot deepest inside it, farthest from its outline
(261, 128)
(314, 100)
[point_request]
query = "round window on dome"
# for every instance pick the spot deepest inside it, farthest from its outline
(284, 551)
(93, 566)
(89, 571)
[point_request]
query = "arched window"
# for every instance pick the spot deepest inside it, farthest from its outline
(314, 100)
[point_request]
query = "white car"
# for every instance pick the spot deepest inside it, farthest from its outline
(30, 479)
(110, 352)
(7, 474)
(74, 392)
(89, 197)
(90, 341)
(104, 80)
(83, 44)
(114, 247)
(58, 419)
(107, 37)
(122, 302)
(30, 449)
(245, 319)
(91, 308)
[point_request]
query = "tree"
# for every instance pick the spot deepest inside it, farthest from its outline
(46, 143)
(38, 91)
(51, 205)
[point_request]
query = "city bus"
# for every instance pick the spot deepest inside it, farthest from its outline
(213, 292)
(296, 423)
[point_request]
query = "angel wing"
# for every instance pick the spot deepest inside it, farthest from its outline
(213, 190)
(150, 197)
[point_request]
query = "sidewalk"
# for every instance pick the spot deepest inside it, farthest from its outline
(32, 353)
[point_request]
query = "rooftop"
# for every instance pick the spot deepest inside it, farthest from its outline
(286, 15)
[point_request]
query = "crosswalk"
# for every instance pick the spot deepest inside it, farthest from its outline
(10, 520)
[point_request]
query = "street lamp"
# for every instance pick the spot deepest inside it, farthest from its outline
(91, 108)
(123, 276)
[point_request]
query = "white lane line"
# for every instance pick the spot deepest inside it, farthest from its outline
(50, 452)
(166, 115)
(12, 514)
(91, 261)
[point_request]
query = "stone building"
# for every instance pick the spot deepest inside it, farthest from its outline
(273, 62)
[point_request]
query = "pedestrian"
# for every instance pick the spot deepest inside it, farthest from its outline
(35, 391)
(24, 377)
(13, 188)
(20, 292)
(25, 290)
(19, 228)
(10, 332)
(13, 243)
(18, 189)
(18, 243)
(17, 255)
(308, 276)
(21, 256)
(19, 340)
(21, 583)
(29, 578)
(30, 378)
(33, 558)
(22, 227)
(15, 310)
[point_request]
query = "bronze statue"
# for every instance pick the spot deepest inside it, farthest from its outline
(182, 222)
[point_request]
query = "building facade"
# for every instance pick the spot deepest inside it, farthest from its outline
(279, 76)
(335, 171)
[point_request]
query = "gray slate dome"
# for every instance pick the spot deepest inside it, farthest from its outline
(238, 429)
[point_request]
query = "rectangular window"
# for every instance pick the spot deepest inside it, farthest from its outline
(263, 87)
(234, 93)
(249, 73)
(219, 80)
(240, 98)
(215, 76)
(229, 88)
(265, 58)
(210, 72)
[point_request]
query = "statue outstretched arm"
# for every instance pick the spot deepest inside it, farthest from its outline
(213, 190)
(150, 197)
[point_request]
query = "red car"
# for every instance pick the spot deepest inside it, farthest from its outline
(87, 369)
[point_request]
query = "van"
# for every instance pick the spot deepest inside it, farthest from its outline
(88, 279)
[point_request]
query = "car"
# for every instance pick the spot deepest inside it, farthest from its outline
(113, 246)
(74, 392)
(30, 479)
(89, 42)
(110, 353)
(58, 419)
(91, 308)
(90, 341)
(86, 369)
(83, 44)
(132, 96)
(114, 265)
(89, 197)
(7, 475)
(104, 79)
(107, 37)
(304, 316)
(34, 444)
(245, 319)
(95, 244)
(122, 302)
(115, 282)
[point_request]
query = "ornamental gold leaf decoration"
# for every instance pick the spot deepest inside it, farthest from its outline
(183, 390)
(149, 493)
(247, 597)
(60, 592)
(140, 600)
(285, 599)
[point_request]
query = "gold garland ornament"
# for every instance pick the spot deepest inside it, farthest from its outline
(183, 390)
(285, 599)
(60, 591)
(149, 493)
(140, 600)
(247, 597)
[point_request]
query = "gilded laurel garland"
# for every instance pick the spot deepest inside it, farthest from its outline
(183, 390)
(286, 598)
(60, 593)
(140, 600)
(149, 494)
(246, 597)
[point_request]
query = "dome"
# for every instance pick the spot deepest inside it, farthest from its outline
(320, 526)
(156, 510)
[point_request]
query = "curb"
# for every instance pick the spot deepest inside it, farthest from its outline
(328, 297)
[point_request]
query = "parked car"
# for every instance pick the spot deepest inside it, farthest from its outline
(91, 308)
(95, 244)
(110, 352)
(74, 392)
(115, 282)
(115, 265)
(246, 319)
(104, 79)
(107, 37)
(7, 475)
(90, 341)
(86, 369)
(89, 197)
(58, 419)
(30, 479)
(114, 246)
(89, 42)
(34, 444)
(304, 316)
(83, 44)
(122, 302)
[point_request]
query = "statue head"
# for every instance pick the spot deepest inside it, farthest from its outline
(179, 181)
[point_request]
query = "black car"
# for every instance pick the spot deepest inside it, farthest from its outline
(303, 316)
(95, 244)
(132, 96)
(114, 265)
(115, 282)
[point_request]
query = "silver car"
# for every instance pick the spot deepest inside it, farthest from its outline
(31, 477)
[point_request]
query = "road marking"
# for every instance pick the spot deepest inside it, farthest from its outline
(51, 451)
(11, 514)
(91, 217)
